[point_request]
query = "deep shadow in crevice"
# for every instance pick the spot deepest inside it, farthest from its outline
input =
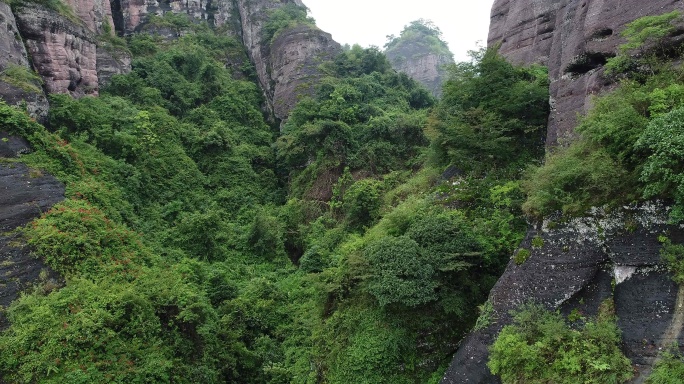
(601, 34)
(587, 62)
(117, 17)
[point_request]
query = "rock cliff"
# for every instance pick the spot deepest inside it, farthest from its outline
(585, 260)
(18, 85)
(427, 69)
(421, 53)
(286, 67)
(573, 38)
(24, 195)
(581, 263)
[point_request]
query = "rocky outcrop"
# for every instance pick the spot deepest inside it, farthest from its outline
(131, 15)
(293, 60)
(581, 263)
(426, 68)
(110, 61)
(17, 85)
(65, 50)
(24, 195)
(420, 52)
(574, 39)
(286, 66)
(95, 15)
(64, 53)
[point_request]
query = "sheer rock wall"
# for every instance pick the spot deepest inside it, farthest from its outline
(573, 38)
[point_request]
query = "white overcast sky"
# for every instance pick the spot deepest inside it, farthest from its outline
(367, 22)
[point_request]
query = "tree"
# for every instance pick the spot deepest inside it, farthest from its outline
(492, 113)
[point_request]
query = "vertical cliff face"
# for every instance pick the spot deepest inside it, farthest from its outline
(287, 66)
(67, 46)
(63, 52)
(574, 39)
(17, 86)
(427, 68)
(576, 268)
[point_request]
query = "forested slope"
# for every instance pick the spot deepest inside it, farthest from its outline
(198, 242)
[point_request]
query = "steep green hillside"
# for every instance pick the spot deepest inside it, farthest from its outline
(200, 244)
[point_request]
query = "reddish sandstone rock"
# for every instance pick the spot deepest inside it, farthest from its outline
(63, 52)
(573, 38)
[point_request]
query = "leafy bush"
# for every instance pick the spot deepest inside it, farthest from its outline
(669, 368)
(361, 203)
(400, 273)
(627, 151)
(521, 256)
(492, 114)
(74, 237)
(21, 77)
(540, 347)
(673, 256)
(284, 17)
(418, 32)
(572, 180)
(17, 122)
(663, 172)
(645, 32)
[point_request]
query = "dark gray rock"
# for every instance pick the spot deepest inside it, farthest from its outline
(645, 305)
(12, 146)
(581, 263)
(111, 61)
(24, 195)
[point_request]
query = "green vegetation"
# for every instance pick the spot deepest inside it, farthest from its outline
(285, 17)
(418, 37)
(59, 6)
(673, 256)
(630, 149)
(22, 78)
(521, 256)
(493, 114)
(646, 33)
(201, 244)
(669, 369)
(540, 347)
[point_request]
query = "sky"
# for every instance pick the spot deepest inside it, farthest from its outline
(367, 22)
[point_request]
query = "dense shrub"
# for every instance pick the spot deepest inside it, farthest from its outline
(492, 114)
(540, 347)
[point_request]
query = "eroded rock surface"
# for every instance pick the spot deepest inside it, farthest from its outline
(576, 268)
(14, 62)
(294, 59)
(426, 68)
(131, 15)
(70, 51)
(573, 38)
(64, 53)
(286, 67)
(24, 195)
